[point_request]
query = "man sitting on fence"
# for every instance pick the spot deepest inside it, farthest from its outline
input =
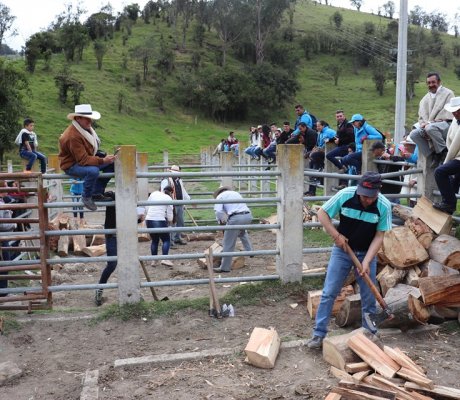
(79, 155)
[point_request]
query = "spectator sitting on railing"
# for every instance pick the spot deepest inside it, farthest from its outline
(254, 140)
(28, 145)
(232, 214)
(270, 151)
(233, 144)
(345, 136)
(79, 155)
(264, 142)
(5, 227)
(219, 148)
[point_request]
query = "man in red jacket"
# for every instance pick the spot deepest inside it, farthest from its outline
(79, 155)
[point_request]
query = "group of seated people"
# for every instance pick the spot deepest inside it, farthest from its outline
(229, 144)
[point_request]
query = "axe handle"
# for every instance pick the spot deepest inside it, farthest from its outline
(212, 285)
(366, 277)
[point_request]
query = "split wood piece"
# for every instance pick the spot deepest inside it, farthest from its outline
(405, 308)
(446, 250)
(94, 251)
(415, 377)
(389, 277)
(272, 219)
(333, 396)
(382, 258)
(63, 245)
(438, 221)
(314, 298)
(79, 241)
(440, 290)
(385, 394)
(438, 393)
(383, 383)
(434, 268)
(336, 351)
(194, 237)
(143, 237)
(422, 231)
(412, 276)
(341, 374)
(402, 248)
(306, 270)
(403, 360)
(63, 221)
(167, 263)
(263, 348)
(97, 240)
(353, 368)
(373, 355)
(350, 313)
(351, 394)
(359, 376)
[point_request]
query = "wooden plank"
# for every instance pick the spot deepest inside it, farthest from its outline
(383, 383)
(373, 355)
(333, 396)
(350, 394)
(340, 374)
(438, 221)
(386, 394)
(413, 376)
(402, 359)
(94, 251)
(352, 368)
(438, 393)
(359, 376)
(440, 290)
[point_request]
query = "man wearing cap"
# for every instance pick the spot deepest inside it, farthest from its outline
(430, 131)
(447, 175)
(179, 193)
(364, 215)
(232, 214)
(79, 155)
(363, 131)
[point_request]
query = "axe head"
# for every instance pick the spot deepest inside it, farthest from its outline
(374, 320)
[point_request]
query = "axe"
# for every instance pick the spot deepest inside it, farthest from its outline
(371, 319)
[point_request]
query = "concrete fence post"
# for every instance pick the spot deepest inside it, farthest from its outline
(329, 183)
(125, 208)
(56, 189)
(368, 158)
(426, 183)
(142, 162)
(214, 160)
(165, 159)
(9, 166)
(203, 157)
(226, 161)
(289, 238)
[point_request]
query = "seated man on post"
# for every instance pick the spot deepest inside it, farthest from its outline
(79, 155)
(430, 131)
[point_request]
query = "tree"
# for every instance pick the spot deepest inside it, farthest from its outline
(417, 16)
(6, 20)
(379, 75)
(438, 22)
(13, 85)
(101, 25)
(334, 71)
(65, 83)
(389, 8)
(132, 11)
(357, 3)
(40, 45)
(100, 48)
(337, 19)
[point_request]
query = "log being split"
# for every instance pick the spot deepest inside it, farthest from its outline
(350, 312)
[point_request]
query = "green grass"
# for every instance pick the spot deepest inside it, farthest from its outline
(9, 322)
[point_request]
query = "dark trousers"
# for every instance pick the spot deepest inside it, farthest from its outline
(5, 257)
(165, 237)
(447, 178)
(353, 160)
(339, 151)
(111, 246)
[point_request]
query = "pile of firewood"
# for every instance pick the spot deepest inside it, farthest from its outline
(418, 273)
(309, 214)
(367, 369)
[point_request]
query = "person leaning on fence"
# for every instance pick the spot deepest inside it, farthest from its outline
(159, 216)
(28, 145)
(447, 175)
(365, 215)
(111, 243)
(79, 155)
(232, 214)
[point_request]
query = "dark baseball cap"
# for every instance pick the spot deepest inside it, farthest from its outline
(369, 184)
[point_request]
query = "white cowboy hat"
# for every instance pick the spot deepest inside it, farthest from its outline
(84, 110)
(174, 168)
(453, 105)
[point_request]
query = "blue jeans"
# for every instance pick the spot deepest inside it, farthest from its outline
(31, 156)
(90, 173)
(353, 160)
(111, 246)
(337, 270)
(270, 151)
(165, 237)
(339, 151)
(447, 178)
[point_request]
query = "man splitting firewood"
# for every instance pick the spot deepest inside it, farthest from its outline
(364, 215)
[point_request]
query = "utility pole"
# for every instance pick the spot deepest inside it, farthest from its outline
(401, 73)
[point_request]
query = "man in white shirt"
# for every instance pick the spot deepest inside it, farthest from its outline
(232, 214)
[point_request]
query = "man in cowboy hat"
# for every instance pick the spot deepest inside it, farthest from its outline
(447, 175)
(365, 215)
(232, 214)
(79, 155)
(179, 193)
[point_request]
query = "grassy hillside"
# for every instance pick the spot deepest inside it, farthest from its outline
(180, 130)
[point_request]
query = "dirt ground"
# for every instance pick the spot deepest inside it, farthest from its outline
(54, 355)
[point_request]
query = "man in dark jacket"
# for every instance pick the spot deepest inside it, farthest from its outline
(345, 136)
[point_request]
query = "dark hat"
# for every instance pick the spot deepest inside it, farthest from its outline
(369, 184)
(220, 190)
(377, 145)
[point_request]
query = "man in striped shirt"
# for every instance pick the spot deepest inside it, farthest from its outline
(364, 215)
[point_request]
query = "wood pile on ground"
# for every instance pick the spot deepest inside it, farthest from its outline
(417, 273)
(309, 214)
(238, 262)
(367, 369)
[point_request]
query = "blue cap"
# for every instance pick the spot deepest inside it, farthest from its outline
(357, 117)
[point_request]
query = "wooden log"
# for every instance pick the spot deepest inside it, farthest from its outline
(440, 290)
(415, 377)
(353, 368)
(389, 277)
(349, 313)
(373, 355)
(314, 298)
(438, 221)
(385, 394)
(94, 251)
(341, 374)
(78, 241)
(412, 277)
(336, 351)
(403, 212)
(193, 237)
(63, 245)
(263, 347)
(419, 311)
(438, 393)
(402, 248)
(447, 312)
(403, 360)
(434, 268)
(445, 249)
(422, 231)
